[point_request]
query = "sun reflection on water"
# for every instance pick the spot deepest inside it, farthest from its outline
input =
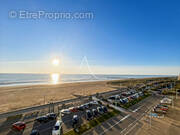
(55, 78)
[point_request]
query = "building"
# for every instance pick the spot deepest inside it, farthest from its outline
(179, 77)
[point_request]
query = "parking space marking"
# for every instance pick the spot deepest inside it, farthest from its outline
(123, 130)
(137, 109)
(125, 117)
(130, 129)
(115, 124)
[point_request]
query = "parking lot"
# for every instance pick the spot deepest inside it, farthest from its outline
(45, 128)
(126, 98)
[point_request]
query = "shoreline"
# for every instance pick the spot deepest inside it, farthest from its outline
(50, 84)
(48, 81)
(71, 82)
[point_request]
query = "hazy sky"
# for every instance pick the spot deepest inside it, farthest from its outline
(122, 37)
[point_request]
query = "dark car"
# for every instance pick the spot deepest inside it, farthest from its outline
(34, 132)
(122, 101)
(112, 97)
(86, 105)
(94, 112)
(75, 120)
(51, 116)
(80, 108)
(42, 119)
(104, 109)
(100, 110)
(88, 114)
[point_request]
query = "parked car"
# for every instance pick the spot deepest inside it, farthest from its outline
(34, 132)
(75, 120)
(112, 97)
(80, 108)
(137, 95)
(65, 111)
(162, 107)
(128, 93)
(129, 98)
(94, 112)
(104, 109)
(125, 100)
(90, 104)
(117, 97)
(140, 93)
(51, 116)
(100, 110)
(86, 105)
(88, 114)
(132, 91)
(133, 96)
(166, 101)
(57, 129)
(19, 126)
(124, 94)
(122, 101)
(94, 102)
(158, 110)
(42, 119)
(73, 109)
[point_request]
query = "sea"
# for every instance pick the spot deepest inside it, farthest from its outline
(14, 79)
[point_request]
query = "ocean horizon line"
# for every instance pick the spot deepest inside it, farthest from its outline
(14, 79)
(97, 74)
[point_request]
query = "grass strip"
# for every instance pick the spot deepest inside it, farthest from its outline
(133, 102)
(94, 123)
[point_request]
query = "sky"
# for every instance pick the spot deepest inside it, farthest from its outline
(120, 37)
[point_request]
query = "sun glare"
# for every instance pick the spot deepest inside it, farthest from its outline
(55, 62)
(55, 78)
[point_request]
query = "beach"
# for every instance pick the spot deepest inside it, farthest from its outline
(16, 97)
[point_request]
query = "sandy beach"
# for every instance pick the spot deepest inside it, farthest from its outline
(15, 97)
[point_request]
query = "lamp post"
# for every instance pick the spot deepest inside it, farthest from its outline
(44, 100)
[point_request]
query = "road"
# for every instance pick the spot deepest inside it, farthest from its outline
(128, 123)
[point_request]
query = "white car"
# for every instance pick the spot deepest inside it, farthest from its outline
(57, 129)
(65, 111)
(94, 102)
(166, 101)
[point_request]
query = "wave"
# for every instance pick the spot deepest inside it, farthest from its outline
(24, 79)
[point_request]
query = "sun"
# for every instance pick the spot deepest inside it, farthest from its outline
(55, 62)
